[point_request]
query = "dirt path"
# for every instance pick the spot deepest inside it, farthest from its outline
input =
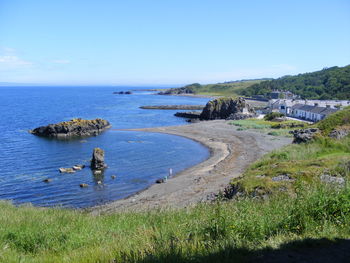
(232, 152)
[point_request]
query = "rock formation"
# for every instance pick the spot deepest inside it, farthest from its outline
(123, 92)
(223, 108)
(305, 135)
(73, 128)
(188, 114)
(340, 132)
(177, 91)
(98, 159)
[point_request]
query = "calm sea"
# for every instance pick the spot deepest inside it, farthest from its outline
(136, 158)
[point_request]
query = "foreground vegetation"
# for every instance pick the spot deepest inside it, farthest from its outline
(268, 127)
(269, 214)
(216, 232)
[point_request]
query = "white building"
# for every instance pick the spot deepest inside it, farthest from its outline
(310, 113)
(285, 106)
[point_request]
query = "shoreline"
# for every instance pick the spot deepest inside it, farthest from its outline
(231, 152)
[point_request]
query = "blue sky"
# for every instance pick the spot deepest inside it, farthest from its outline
(169, 42)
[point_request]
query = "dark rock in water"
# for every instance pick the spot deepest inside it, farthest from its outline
(98, 159)
(122, 92)
(188, 114)
(223, 108)
(73, 128)
(304, 135)
(83, 185)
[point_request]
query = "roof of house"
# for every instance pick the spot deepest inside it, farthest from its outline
(314, 109)
(328, 111)
(297, 106)
(306, 107)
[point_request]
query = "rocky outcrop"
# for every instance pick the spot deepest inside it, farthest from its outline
(98, 159)
(223, 108)
(305, 135)
(240, 116)
(173, 107)
(123, 92)
(340, 132)
(177, 91)
(73, 128)
(188, 114)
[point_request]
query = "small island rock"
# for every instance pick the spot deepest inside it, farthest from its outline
(73, 128)
(98, 159)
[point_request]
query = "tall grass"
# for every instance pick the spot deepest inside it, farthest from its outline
(223, 229)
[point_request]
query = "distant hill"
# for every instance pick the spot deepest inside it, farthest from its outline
(328, 83)
(230, 88)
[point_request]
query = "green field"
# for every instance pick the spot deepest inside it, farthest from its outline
(224, 89)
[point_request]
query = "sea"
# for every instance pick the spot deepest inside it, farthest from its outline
(136, 159)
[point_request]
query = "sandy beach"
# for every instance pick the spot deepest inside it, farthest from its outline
(231, 152)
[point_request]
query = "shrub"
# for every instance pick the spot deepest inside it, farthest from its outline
(273, 115)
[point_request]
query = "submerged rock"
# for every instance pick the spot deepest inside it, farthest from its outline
(98, 159)
(223, 108)
(73, 128)
(47, 180)
(123, 92)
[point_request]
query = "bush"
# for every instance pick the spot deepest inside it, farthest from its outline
(273, 115)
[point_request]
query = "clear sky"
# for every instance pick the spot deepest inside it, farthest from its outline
(169, 42)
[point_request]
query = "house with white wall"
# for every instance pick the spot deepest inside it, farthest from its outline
(310, 113)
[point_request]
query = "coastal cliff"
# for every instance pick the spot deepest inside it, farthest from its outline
(226, 108)
(73, 128)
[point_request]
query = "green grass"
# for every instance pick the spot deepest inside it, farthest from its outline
(224, 89)
(301, 162)
(268, 127)
(206, 233)
(339, 118)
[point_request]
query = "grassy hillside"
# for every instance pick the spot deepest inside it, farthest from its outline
(329, 83)
(301, 163)
(289, 215)
(221, 89)
(206, 233)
